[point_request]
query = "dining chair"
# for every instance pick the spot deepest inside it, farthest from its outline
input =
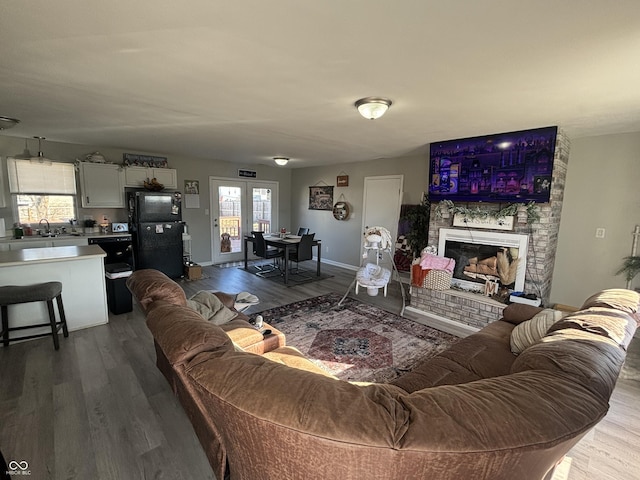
(303, 252)
(302, 231)
(260, 249)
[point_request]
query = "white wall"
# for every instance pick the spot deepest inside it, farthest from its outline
(341, 240)
(602, 190)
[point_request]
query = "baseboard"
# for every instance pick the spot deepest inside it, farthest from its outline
(338, 264)
(444, 324)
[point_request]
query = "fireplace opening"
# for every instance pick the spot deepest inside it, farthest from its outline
(485, 261)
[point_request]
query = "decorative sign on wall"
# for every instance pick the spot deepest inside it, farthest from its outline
(247, 173)
(342, 181)
(321, 198)
(503, 223)
(135, 160)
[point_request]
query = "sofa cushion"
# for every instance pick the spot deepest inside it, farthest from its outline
(530, 332)
(516, 313)
(149, 285)
(211, 308)
(182, 333)
(618, 298)
(292, 357)
(484, 354)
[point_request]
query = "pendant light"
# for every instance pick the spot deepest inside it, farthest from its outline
(26, 154)
(40, 156)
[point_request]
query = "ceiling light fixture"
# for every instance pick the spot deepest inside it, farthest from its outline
(8, 122)
(373, 107)
(282, 161)
(41, 158)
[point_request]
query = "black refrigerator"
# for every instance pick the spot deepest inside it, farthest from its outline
(156, 229)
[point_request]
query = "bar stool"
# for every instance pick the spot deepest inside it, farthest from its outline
(40, 292)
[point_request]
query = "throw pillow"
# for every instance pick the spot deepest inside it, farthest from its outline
(211, 308)
(530, 332)
(618, 298)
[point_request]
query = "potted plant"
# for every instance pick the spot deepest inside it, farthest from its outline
(89, 225)
(418, 217)
(630, 268)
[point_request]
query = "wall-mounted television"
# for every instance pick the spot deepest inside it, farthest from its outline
(504, 167)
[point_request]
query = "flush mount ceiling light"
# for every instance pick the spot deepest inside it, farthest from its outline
(282, 161)
(373, 107)
(8, 122)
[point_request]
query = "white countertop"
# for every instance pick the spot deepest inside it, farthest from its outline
(49, 254)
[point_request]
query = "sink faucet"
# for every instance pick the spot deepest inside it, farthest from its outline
(48, 230)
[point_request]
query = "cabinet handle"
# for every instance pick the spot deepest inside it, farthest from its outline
(87, 199)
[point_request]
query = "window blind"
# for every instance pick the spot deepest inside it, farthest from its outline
(54, 178)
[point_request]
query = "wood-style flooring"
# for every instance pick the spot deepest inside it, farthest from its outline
(99, 409)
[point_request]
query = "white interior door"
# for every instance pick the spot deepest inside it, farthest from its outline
(237, 208)
(381, 203)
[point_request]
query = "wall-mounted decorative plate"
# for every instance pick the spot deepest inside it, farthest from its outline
(341, 211)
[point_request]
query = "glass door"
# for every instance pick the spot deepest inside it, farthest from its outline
(237, 208)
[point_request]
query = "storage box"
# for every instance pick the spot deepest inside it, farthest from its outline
(193, 271)
(518, 299)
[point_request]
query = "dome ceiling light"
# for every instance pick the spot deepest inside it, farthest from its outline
(7, 122)
(282, 161)
(373, 107)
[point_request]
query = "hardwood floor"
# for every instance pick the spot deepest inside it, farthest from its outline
(99, 408)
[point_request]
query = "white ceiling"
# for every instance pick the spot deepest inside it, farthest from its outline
(247, 80)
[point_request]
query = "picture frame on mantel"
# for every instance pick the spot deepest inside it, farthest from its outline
(342, 180)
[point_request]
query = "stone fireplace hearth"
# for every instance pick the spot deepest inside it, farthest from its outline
(476, 310)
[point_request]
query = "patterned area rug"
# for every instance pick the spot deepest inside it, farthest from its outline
(356, 341)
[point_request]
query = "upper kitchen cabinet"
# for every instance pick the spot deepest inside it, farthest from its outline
(102, 185)
(135, 176)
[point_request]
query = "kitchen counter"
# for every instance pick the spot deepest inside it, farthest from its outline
(49, 255)
(61, 236)
(80, 269)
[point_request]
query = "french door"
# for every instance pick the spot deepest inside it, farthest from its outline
(237, 208)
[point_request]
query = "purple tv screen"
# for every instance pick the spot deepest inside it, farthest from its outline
(504, 167)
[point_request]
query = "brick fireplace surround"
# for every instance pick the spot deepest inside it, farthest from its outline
(475, 311)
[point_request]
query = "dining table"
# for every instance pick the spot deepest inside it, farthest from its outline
(288, 243)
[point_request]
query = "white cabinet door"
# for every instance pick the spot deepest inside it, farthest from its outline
(135, 176)
(30, 244)
(70, 242)
(166, 176)
(102, 185)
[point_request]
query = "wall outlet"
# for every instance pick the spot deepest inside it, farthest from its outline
(600, 232)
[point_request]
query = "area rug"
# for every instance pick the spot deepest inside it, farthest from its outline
(306, 276)
(356, 341)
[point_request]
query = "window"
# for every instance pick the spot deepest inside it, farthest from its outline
(42, 190)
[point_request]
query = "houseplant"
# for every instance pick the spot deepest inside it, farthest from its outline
(418, 218)
(630, 268)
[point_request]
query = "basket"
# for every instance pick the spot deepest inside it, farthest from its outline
(432, 279)
(437, 280)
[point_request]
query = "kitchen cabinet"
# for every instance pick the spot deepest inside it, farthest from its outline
(35, 242)
(102, 185)
(135, 176)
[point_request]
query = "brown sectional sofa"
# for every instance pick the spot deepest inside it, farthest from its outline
(474, 411)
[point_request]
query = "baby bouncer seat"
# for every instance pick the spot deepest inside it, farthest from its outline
(373, 276)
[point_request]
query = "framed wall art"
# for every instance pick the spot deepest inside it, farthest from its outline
(342, 181)
(321, 198)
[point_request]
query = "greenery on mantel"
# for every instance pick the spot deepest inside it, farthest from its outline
(533, 215)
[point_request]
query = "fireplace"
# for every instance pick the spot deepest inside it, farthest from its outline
(486, 261)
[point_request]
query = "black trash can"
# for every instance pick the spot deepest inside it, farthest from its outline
(118, 295)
